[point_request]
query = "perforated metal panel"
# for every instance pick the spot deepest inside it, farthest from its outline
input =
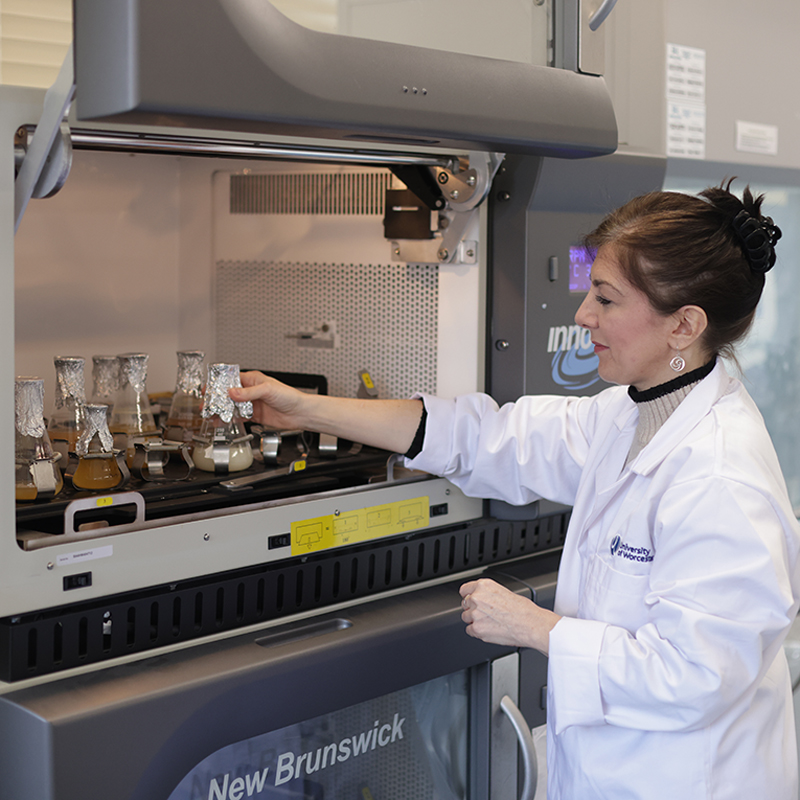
(385, 317)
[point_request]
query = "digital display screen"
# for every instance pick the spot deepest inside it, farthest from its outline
(580, 269)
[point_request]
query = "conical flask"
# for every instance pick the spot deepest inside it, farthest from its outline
(223, 445)
(131, 417)
(36, 475)
(97, 463)
(65, 422)
(184, 419)
(105, 379)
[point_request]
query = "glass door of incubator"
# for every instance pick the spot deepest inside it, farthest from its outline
(444, 739)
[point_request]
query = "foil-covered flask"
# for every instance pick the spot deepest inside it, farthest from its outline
(223, 444)
(36, 475)
(64, 425)
(97, 462)
(131, 417)
(184, 419)
(105, 379)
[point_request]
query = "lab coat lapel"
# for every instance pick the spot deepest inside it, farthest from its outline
(605, 466)
(609, 475)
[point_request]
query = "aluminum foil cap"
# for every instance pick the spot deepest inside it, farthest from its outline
(222, 377)
(105, 376)
(96, 423)
(133, 370)
(190, 372)
(69, 380)
(29, 406)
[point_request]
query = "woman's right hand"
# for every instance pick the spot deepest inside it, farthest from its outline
(388, 424)
(275, 405)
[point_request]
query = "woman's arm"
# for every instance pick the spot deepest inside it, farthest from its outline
(389, 424)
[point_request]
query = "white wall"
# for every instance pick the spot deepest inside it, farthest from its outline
(752, 70)
(96, 268)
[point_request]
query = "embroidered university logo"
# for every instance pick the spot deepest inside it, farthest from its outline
(623, 550)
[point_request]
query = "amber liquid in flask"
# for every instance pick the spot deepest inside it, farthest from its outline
(96, 474)
(97, 463)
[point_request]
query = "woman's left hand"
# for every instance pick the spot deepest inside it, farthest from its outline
(497, 615)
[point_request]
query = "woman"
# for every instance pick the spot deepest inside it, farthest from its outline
(679, 577)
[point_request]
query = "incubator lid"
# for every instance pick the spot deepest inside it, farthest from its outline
(243, 66)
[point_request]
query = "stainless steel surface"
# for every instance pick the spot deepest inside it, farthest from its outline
(328, 445)
(592, 40)
(503, 756)
(270, 444)
(529, 760)
(44, 478)
(599, 16)
(45, 144)
(235, 148)
(465, 191)
(298, 465)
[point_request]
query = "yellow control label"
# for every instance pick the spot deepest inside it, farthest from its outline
(359, 525)
(365, 376)
(104, 501)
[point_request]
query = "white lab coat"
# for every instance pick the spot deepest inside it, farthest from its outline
(678, 582)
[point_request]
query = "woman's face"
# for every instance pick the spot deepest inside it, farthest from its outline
(630, 338)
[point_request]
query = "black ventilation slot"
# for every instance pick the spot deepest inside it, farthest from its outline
(309, 193)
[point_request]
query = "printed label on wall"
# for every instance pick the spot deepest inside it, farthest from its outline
(686, 74)
(752, 137)
(686, 102)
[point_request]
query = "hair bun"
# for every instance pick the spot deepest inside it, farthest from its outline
(758, 236)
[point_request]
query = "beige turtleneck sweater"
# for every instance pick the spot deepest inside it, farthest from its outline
(652, 415)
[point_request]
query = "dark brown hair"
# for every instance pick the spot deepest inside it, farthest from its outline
(682, 250)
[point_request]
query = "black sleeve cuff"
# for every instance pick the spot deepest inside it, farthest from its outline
(419, 436)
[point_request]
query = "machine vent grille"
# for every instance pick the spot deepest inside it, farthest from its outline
(86, 633)
(384, 314)
(309, 193)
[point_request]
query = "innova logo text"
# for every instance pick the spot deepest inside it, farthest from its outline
(574, 364)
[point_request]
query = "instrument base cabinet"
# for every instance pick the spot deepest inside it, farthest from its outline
(254, 714)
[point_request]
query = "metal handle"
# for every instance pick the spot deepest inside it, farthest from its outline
(103, 503)
(599, 16)
(529, 761)
(393, 459)
(298, 465)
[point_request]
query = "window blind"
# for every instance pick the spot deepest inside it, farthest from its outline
(34, 38)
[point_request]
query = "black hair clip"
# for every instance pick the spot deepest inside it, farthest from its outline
(758, 235)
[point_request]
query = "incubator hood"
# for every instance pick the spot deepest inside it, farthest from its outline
(242, 65)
